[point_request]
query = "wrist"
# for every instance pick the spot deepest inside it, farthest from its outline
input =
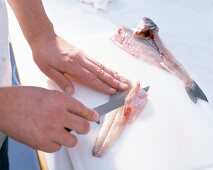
(41, 35)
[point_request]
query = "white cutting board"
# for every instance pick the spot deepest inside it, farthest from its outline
(170, 133)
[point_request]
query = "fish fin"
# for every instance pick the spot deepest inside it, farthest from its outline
(195, 92)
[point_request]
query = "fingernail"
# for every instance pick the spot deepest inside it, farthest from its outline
(95, 117)
(124, 85)
(69, 90)
(112, 91)
(123, 79)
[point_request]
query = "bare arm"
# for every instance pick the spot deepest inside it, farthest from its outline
(58, 58)
(27, 114)
(32, 19)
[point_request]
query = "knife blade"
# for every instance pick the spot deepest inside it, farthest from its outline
(117, 100)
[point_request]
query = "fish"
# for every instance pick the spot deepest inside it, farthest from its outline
(98, 4)
(116, 121)
(144, 43)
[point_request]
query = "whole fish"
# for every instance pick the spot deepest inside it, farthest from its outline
(115, 121)
(145, 43)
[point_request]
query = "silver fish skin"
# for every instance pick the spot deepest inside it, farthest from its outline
(116, 121)
(144, 43)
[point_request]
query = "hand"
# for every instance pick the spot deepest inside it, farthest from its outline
(58, 60)
(37, 117)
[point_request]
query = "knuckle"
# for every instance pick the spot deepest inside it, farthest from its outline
(112, 80)
(115, 72)
(65, 57)
(85, 127)
(100, 72)
(90, 115)
(91, 77)
(115, 75)
(69, 64)
(102, 66)
(116, 83)
(79, 56)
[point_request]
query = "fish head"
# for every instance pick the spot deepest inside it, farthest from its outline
(147, 32)
(145, 29)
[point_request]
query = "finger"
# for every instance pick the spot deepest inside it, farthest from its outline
(77, 108)
(63, 82)
(67, 139)
(101, 73)
(114, 74)
(51, 147)
(86, 77)
(90, 79)
(76, 123)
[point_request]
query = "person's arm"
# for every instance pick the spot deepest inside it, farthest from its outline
(56, 57)
(32, 19)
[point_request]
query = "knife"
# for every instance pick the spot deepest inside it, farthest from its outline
(117, 100)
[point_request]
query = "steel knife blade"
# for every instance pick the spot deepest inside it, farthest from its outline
(117, 100)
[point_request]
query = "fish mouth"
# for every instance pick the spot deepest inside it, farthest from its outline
(145, 29)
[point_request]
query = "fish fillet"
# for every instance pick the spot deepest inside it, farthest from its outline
(115, 121)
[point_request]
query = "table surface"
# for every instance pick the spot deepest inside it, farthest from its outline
(185, 27)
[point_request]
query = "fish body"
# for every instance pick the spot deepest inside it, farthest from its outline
(144, 43)
(115, 121)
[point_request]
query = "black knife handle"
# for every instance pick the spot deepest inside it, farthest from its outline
(68, 130)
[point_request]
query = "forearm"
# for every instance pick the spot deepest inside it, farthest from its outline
(4, 102)
(32, 19)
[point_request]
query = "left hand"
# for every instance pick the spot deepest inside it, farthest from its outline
(57, 59)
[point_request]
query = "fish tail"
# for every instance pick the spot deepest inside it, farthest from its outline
(195, 92)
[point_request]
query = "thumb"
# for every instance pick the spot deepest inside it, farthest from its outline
(62, 81)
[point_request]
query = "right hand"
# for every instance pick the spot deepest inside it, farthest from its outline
(38, 117)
